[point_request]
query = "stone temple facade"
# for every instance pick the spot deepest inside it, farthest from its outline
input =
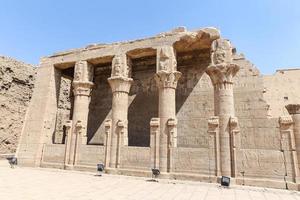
(184, 102)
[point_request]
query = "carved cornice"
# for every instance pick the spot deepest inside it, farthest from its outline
(82, 88)
(222, 69)
(293, 109)
(166, 59)
(120, 84)
(166, 79)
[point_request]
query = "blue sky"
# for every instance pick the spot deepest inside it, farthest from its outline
(266, 31)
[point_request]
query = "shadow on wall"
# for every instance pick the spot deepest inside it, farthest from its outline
(143, 107)
(143, 97)
(100, 106)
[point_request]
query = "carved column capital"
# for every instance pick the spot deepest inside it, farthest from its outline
(213, 122)
(83, 78)
(293, 109)
(120, 84)
(166, 79)
(222, 69)
(285, 122)
(68, 124)
(154, 123)
(82, 88)
(234, 124)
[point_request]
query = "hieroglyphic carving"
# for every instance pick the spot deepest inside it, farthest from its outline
(121, 66)
(166, 59)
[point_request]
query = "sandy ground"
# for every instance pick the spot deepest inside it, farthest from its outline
(43, 184)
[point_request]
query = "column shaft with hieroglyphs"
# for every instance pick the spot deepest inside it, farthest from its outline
(221, 71)
(166, 77)
(120, 83)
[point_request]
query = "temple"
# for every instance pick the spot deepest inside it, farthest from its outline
(184, 102)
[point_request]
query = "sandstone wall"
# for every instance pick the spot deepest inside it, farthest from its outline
(16, 86)
(64, 107)
(280, 89)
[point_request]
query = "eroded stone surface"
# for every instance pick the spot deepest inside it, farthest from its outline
(16, 87)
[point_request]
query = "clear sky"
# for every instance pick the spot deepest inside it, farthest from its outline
(266, 31)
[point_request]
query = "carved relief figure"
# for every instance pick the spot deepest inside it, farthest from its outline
(83, 71)
(121, 66)
(166, 59)
(79, 71)
(221, 52)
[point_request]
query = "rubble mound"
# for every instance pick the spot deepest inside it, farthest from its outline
(16, 87)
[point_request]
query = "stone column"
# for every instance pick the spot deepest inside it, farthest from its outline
(294, 111)
(288, 148)
(107, 140)
(166, 77)
(120, 84)
(82, 87)
(154, 142)
(213, 130)
(234, 143)
(172, 125)
(68, 130)
(221, 71)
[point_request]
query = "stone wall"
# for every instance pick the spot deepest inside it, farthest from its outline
(64, 108)
(16, 86)
(280, 89)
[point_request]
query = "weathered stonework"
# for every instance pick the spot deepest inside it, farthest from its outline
(182, 102)
(16, 87)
